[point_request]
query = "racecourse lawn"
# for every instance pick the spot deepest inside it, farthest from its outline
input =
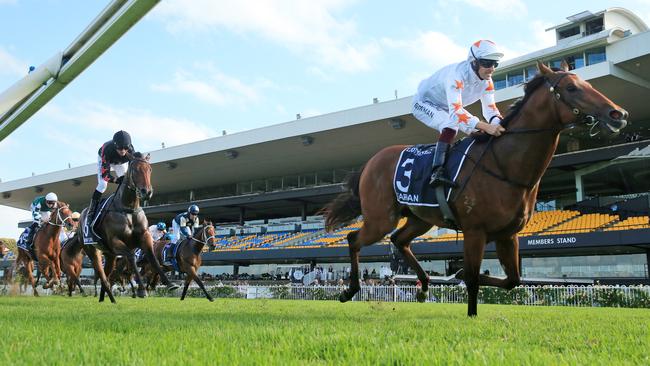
(55, 330)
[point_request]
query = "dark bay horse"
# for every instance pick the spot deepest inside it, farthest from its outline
(497, 186)
(123, 227)
(47, 247)
(188, 257)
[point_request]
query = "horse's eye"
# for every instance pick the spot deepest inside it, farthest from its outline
(571, 88)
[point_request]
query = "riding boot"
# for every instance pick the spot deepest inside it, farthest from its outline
(89, 235)
(169, 248)
(438, 176)
(33, 228)
(119, 180)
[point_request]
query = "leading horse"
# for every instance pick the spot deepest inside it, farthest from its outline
(498, 187)
(123, 228)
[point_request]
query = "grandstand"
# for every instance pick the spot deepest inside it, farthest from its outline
(265, 187)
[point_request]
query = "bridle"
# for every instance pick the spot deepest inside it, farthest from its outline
(130, 183)
(580, 119)
(58, 218)
(204, 235)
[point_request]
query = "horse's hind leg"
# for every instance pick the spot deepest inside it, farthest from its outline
(508, 254)
(402, 238)
(188, 279)
(29, 269)
(193, 275)
(133, 268)
(370, 233)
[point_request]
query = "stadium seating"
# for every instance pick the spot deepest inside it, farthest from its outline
(544, 220)
(631, 223)
(582, 224)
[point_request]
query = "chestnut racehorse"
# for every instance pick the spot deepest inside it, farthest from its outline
(47, 247)
(123, 227)
(497, 186)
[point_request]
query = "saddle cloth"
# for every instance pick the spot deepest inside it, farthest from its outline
(413, 172)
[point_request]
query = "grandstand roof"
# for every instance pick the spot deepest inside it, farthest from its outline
(345, 138)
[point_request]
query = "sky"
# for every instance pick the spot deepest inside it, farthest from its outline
(192, 69)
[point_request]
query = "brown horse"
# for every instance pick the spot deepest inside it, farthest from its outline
(124, 227)
(72, 263)
(47, 247)
(497, 188)
(188, 257)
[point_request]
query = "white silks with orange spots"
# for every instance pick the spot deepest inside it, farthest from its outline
(441, 99)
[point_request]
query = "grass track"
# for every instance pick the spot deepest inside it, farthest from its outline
(55, 330)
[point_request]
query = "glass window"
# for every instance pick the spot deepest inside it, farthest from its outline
(595, 55)
(555, 63)
(530, 71)
(515, 78)
(499, 82)
(564, 33)
(627, 265)
(575, 61)
(594, 26)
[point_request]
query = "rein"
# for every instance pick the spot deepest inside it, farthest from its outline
(59, 218)
(204, 235)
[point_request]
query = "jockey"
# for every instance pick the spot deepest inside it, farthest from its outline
(158, 231)
(441, 99)
(184, 223)
(41, 208)
(182, 227)
(114, 154)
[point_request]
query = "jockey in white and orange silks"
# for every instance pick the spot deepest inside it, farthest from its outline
(441, 99)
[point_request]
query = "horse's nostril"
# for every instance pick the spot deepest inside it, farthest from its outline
(616, 115)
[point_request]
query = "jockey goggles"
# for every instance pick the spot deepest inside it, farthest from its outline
(487, 63)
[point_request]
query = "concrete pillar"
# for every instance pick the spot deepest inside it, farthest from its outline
(242, 215)
(235, 269)
(579, 187)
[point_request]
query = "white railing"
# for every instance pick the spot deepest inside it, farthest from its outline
(611, 296)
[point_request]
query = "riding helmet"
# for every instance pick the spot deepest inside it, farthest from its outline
(122, 139)
(194, 210)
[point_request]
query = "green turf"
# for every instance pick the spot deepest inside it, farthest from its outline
(162, 331)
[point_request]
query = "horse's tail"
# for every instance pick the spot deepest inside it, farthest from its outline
(347, 206)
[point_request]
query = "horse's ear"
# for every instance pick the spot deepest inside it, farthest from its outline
(564, 65)
(147, 157)
(543, 69)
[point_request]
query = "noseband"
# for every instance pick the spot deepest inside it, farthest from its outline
(58, 218)
(130, 183)
(580, 116)
(204, 235)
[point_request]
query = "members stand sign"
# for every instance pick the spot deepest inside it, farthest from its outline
(551, 240)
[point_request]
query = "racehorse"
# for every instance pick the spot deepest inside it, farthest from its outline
(71, 263)
(123, 227)
(497, 187)
(188, 257)
(47, 247)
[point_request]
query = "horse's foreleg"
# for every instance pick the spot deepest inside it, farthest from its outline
(196, 278)
(402, 238)
(508, 254)
(133, 267)
(474, 246)
(151, 258)
(188, 279)
(96, 259)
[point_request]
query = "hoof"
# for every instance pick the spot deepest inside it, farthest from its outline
(422, 296)
(142, 293)
(211, 299)
(460, 274)
(345, 296)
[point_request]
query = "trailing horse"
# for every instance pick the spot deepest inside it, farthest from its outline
(188, 257)
(123, 228)
(47, 248)
(497, 187)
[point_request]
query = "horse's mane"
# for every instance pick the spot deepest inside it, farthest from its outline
(138, 155)
(529, 89)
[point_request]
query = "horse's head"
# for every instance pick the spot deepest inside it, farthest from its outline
(205, 234)
(62, 216)
(139, 176)
(4, 249)
(580, 104)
